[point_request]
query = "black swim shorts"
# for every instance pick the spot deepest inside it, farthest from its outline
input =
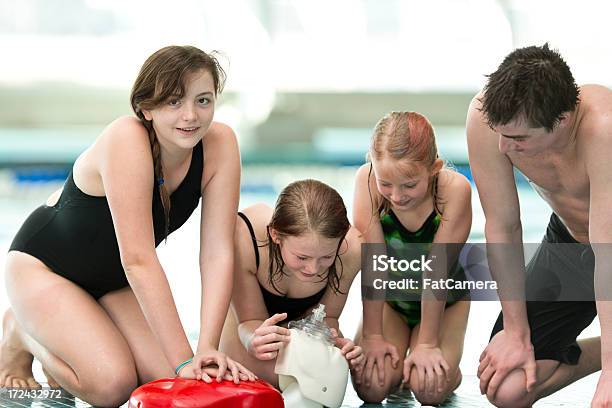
(558, 271)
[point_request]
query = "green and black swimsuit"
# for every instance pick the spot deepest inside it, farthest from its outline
(398, 239)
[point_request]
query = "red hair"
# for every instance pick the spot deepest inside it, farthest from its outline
(407, 137)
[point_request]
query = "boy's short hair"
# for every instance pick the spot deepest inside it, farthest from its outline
(532, 83)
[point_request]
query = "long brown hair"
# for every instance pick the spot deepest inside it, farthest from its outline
(307, 206)
(405, 136)
(161, 77)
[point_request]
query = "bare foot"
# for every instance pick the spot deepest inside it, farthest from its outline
(15, 360)
(50, 380)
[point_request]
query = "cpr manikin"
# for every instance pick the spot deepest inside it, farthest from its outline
(311, 372)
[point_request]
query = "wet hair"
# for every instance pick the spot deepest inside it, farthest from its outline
(408, 137)
(532, 83)
(162, 77)
(307, 206)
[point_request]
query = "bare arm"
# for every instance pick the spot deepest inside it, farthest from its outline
(494, 177)
(126, 169)
(493, 173)
(365, 204)
(454, 228)
(365, 218)
(260, 335)
(247, 301)
(350, 256)
(220, 194)
(599, 169)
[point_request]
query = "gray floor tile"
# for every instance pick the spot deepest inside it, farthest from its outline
(577, 395)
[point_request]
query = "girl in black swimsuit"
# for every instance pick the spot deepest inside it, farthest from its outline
(89, 298)
(288, 260)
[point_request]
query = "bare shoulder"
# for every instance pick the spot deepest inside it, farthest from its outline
(595, 138)
(125, 142)
(124, 138)
(476, 103)
(242, 237)
(596, 95)
(474, 113)
(476, 123)
(259, 214)
(129, 124)
(221, 155)
(351, 257)
(220, 147)
(597, 121)
(363, 170)
(220, 136)
(451, 183)
(364, 176)
(454, 189)
(126, 131)
(482, 141)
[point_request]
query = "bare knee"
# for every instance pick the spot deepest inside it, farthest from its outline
(436, 397)
(372, 394)
(375, 392)
(512, 392)
(111, 389)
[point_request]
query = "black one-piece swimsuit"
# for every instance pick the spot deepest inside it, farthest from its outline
(76, 238)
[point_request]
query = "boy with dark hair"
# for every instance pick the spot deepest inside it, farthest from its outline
(532, 116)
(534, 83)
